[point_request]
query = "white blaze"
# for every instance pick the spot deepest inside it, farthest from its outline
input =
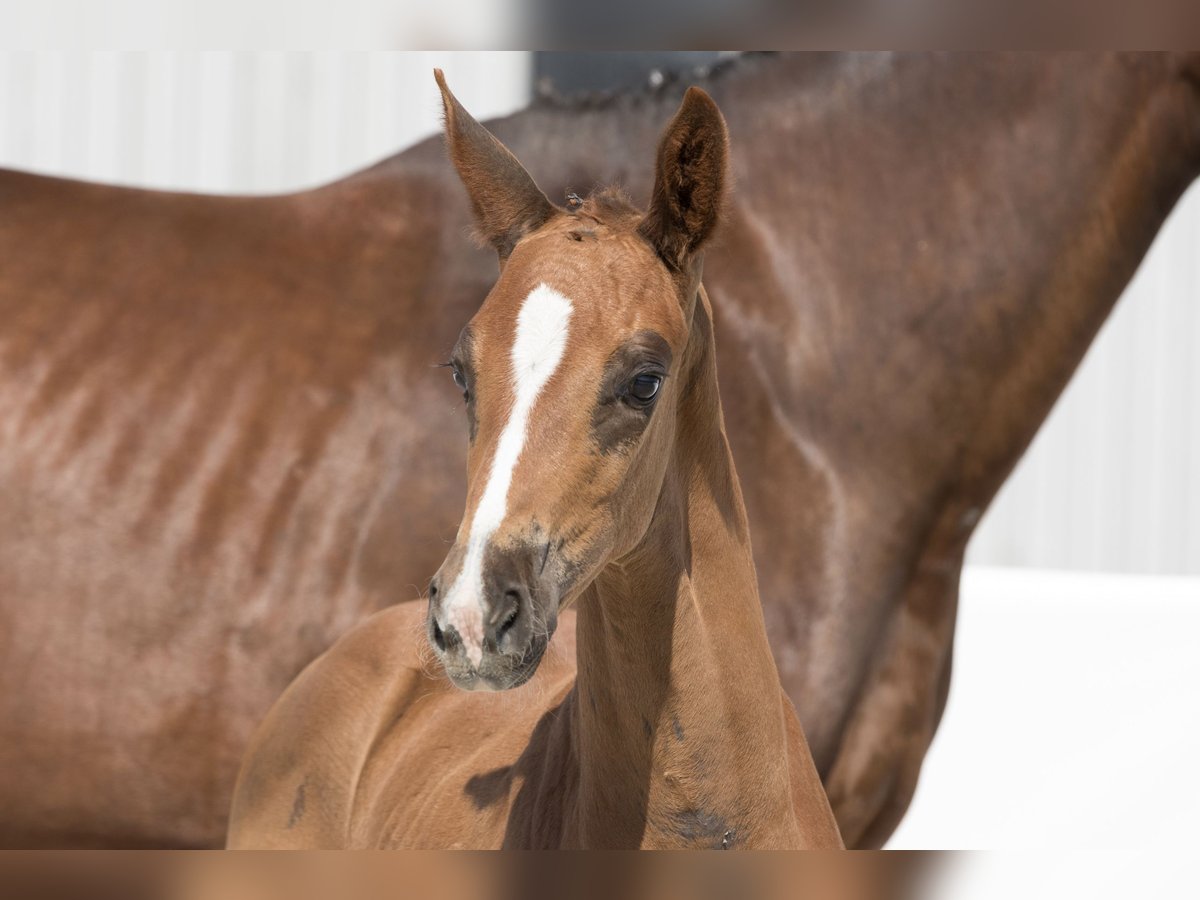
(541, 338)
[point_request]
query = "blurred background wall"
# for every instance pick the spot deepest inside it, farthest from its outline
(1112, 482)
(234, 122)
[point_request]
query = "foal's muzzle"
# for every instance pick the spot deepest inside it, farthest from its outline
(490, 627)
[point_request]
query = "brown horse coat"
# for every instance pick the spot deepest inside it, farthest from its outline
(223, 441)
(599, 476)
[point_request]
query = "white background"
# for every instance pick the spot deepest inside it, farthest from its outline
(1072, 720)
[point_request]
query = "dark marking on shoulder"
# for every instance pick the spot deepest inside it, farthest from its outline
(677, 727)
(489, 788)
(646, 726)
(298, 806)
(706, 829)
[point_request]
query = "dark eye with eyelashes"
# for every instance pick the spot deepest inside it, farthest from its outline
(629, 391)
(460, 380)
(643, 388)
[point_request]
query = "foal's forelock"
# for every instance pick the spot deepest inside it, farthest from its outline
(539, 342)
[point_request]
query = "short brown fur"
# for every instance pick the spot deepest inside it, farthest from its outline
(223, 442)
(663, 723)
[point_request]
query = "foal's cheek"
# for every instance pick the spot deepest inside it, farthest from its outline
(649, 467)
(587, 549)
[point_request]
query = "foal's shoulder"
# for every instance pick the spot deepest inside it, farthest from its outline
(389, 640)
(370, 671)
(298, 778)
(385, 656)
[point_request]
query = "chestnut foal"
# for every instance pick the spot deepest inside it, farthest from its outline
(599, 476)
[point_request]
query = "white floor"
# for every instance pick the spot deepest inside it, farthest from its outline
(1073, 725)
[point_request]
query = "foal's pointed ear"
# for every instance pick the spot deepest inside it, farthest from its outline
(689, 180)
(506, 201)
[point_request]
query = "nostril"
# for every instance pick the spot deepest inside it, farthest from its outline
(512, 601)
(433, 589)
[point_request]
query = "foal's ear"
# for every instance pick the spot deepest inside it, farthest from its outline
(689, 180)
(506, 201)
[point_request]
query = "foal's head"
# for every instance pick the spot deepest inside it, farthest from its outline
(570, 375)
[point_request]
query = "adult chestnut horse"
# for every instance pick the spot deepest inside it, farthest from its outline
(222, 442)
(599, 475)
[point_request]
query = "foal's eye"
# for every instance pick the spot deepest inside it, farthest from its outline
(644, 388)
(461, 381)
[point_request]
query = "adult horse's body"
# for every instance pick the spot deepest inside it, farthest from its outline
(599, 477)
(223, 443)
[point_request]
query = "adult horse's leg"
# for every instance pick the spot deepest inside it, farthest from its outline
(873, 779)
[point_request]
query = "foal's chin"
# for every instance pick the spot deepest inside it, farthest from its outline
(496, 671)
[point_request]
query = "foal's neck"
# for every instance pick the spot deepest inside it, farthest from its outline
(682, 739)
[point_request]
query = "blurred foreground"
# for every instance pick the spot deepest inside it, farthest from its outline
(471, 876)
(612, 876)
(571, 24)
